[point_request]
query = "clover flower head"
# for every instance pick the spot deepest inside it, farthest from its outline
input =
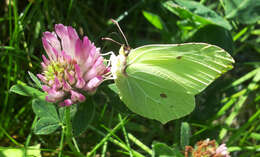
(74, 67)
(206, 148)
(222, 151)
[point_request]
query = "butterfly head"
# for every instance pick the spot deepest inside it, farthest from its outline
(124, 50)
(118, 63)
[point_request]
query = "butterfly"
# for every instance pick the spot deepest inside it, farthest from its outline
(160, 81)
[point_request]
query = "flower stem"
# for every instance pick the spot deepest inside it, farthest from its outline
(61, 141)
(68, 124)
(68, 133)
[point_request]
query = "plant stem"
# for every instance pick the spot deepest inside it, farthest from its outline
(140, 144)
(126, 137)
(68, 132)
(61, 141)
(28, 139)
(118, 126)
(10, 137)
(104, 149)
(75, 144)
(116, 142)
(68, 124)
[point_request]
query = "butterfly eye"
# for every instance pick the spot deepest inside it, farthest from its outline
(127, 50)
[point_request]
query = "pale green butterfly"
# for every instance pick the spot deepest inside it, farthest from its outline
(160, 81)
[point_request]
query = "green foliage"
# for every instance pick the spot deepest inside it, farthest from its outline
(245, 11)
(32, 151)
(162, 150)
(35, 79)
(44, 109)
(49, 120)
(24, 90)
(196, 13)
(154, 19)
(83, 117)
(45, 126)
(185, 135)
(215, 35)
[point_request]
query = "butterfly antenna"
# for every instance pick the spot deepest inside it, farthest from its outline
(116, 23)
(109, 39)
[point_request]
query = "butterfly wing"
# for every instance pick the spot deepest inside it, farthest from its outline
(152, 94)
(192, 65)
(160, 81)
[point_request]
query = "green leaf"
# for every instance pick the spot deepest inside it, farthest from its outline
(45, 126)
(44, 109)
(35, 79)
(32, 151)
(215, 35)
(49, 120)
(83, 117)
(255, 136)
(185, 135)
(196, 12)
(245, 11)
(162, 150)
(24, 90)
(154, 19)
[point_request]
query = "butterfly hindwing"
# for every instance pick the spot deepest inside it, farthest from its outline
(154, 96)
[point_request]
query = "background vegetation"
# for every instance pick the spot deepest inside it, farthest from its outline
(227, 111)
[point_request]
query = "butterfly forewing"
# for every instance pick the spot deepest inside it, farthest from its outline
(193, 66)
